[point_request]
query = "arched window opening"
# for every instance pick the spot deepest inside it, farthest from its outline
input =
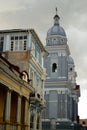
(54, 67)
(71, 69)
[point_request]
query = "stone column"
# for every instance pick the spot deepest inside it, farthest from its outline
(29, 119)
(26, 113)
(40, 121)
(8, 106)
(8, 109)
(19, 112)
(35, 119)
(19, 109)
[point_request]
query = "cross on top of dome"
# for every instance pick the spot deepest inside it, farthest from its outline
(56, 10)
(56, 18)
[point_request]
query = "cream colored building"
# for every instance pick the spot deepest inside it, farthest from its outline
(14, 97)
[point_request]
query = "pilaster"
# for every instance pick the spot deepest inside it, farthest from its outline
(8, 109)
(40, 123)
(8, 106)
(19, 109)
(35, 119)
(26, 114)
(29, 119)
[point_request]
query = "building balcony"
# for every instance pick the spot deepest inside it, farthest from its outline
(35, 97)
(43, 104)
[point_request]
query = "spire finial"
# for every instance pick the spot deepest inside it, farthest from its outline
(56, 18)
(56, 10)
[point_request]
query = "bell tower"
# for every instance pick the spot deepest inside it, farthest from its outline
(61, 93)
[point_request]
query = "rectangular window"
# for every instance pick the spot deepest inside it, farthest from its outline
(12, 45)
(18, 43)
(16, 37)
(12, 38)
(20, 38)
(1, 43)
(1, 38)
(24, 45)
(25, 37)
(1, 46)
(21, 45)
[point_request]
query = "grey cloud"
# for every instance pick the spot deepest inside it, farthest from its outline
(38, 14)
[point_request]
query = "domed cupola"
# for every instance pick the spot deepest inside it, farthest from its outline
(56, 34)
(70, 60)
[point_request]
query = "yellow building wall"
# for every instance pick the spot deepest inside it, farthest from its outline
(14, 85)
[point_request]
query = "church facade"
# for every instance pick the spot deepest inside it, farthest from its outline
(61, 90)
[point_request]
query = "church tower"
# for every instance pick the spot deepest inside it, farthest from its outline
(61, 90)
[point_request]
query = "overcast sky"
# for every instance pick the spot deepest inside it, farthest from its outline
(38, 14)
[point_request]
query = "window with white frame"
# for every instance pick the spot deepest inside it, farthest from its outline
(21, 45)
(18, 43)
